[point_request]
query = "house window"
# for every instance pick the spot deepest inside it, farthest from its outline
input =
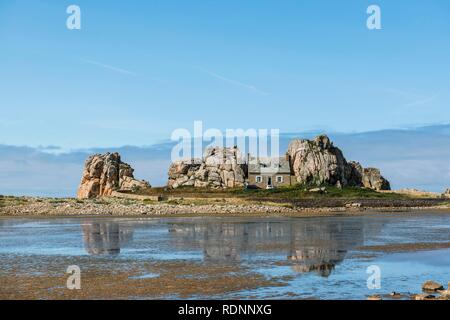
(279, 179)
(258, 179)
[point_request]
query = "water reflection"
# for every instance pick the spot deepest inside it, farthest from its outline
(309, 245)
(102, 238)
(271, 247)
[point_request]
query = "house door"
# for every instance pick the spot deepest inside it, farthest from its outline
(269, 181)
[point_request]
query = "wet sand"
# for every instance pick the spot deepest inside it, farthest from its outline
(152, 280)
(407, 247)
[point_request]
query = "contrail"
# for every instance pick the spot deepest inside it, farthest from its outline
(234, 82)
(109, 67)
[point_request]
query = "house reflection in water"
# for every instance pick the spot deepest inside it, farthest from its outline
(105, 238)
(308, 245)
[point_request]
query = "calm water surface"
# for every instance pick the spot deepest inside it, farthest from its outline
(320, 257)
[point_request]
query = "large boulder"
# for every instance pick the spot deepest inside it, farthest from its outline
(318, 162)
(367, 177)
(219, 168)
(106, 173)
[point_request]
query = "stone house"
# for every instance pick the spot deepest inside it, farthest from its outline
(270, 172)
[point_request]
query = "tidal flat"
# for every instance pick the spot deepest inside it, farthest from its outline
(222, 257)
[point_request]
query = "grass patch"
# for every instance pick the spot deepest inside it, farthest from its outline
(100, 201)
(286, 193)
(149, 201)
(128, 202)
(12, 201)
(301, 192)
(57, 201)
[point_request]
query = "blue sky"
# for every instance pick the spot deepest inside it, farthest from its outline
(140, 69)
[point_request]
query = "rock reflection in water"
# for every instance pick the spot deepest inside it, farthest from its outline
(319, 247)
(105, 238)
(310, 245)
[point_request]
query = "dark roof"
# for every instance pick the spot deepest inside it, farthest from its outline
(269, 165)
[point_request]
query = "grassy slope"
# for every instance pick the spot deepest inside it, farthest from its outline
(293, 192)
(295, 196)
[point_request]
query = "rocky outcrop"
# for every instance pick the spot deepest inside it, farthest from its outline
(220, 168)
(314, 163)
(367, 177)
(106, 173)
(318, 162)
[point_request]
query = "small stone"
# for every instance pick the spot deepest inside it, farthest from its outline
(424, 297)
(444, 292)
(431, 286)
(353, 205)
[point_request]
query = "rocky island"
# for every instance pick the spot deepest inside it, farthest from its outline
(317, 179)
(104, 174)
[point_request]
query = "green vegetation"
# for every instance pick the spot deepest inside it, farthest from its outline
(100, 201)
(12, 201)
(283, 193)
(150, 202)
(57, 201)
(300, 192)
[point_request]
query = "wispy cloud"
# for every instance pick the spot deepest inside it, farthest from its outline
(412, 98)
(420, 102)
(404, 94)
(234, 82)
(109, 67)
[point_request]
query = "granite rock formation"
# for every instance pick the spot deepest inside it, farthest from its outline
(314, 162)
(220, 168)
(368, 177)
(318, 162)
(106, 173)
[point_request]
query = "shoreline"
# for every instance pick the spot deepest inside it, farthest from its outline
(28, 207)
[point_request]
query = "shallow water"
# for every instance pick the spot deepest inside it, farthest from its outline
(322, 257)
